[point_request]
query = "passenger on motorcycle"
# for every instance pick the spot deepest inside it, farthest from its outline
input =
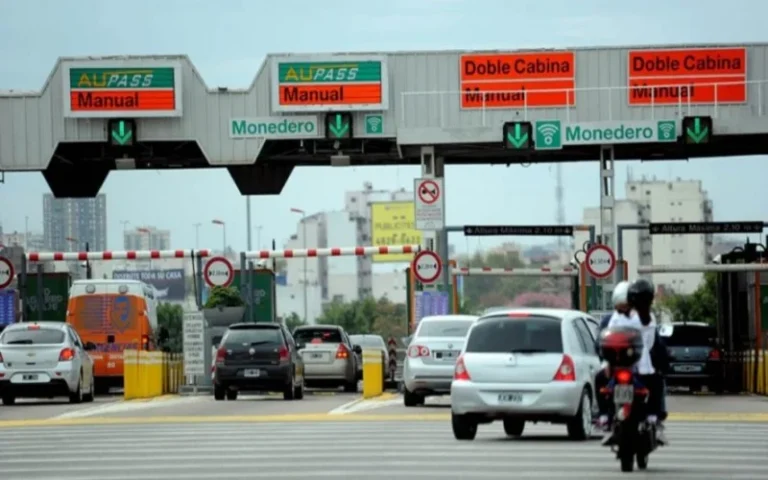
(653, 360)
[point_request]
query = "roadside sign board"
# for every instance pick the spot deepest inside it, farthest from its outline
(600, 261)
(7, 272)
(429, 200)
(705, 228)
(194, 342)
(218, 272)
(427, 267)
(554, 134)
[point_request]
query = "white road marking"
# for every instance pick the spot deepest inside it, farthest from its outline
(118, 407)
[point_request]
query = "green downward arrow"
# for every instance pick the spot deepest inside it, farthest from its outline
(698, 134)
(519, 138)
(340, 128)
(120, 135)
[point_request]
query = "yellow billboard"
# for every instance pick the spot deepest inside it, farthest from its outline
(393, 223)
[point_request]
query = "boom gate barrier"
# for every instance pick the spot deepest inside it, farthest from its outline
(739, 285)
(371, 387)
(145, 373)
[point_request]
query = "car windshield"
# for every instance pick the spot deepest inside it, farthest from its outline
(444, 328)
(317, 335)
(504, 334)
(367, 341)
(691, 336)
(42, 336)
(253, 336)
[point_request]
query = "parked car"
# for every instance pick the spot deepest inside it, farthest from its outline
(372, 342)
(260, 357)
(329, 356)
(695, 357)
(526, 365)
(431, 356)
(45, 360)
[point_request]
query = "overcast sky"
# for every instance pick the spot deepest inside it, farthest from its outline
(227, 41)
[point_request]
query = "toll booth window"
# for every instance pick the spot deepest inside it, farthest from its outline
(317, 335)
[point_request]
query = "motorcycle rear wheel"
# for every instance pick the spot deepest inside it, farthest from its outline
(626, 454)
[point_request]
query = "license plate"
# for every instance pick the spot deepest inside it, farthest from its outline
(252, 373)
(30, 378)
(623, 394)
(316, 356)
(510, 398)
(449, 354)
(688, 368)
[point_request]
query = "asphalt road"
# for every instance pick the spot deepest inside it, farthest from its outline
(37, 409)
(367, 449)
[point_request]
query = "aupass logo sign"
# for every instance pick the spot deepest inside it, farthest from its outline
(553, 134)
(274, 127)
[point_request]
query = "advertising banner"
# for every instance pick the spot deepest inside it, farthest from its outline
(169, 284)
(394, 223)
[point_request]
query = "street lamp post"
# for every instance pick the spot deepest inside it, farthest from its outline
(125, 224)
(197, 235)
(258, 237)
(223, 233)
(304, 243)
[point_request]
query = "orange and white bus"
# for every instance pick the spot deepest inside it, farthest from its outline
(115, 315)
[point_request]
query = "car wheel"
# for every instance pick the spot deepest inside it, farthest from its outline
(9, 399)
(231, 394)
(464, 427)
(298, 392)
(351, 387)
(580, 425)
(77, 395)
(411, 399)
(514, 427)
(289, 393)
(219, 393)
(88, 397)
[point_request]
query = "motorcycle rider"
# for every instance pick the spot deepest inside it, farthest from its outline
(653, 360)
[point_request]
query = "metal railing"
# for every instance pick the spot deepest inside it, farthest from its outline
(444, 101)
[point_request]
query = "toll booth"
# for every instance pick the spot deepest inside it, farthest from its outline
(739, 305)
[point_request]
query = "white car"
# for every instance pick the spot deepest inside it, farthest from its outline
(431, 356)
(524, 365)
(45, 360)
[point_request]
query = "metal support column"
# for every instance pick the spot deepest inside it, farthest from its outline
(607, 197)
(434, 167)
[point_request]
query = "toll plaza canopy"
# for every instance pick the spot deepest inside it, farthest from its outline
(94, 115)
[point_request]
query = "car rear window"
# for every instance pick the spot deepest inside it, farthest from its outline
(42, 336)
(503, 334)
(317, 335)
(364, 341)
(691, 336)
(260, 336)
(444, 328)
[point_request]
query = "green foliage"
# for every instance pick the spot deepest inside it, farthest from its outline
(224, 297)
(170, 320)
(700, 306)
(292, 321)
(481, 292)
(369, 316)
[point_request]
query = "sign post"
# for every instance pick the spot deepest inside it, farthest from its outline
(194, 343)
(7, 273)
(218, 272)
(429, 204)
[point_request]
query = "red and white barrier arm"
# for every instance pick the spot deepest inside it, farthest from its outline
(710, 267)
(517, 272)
(334, 252)
(124, 255)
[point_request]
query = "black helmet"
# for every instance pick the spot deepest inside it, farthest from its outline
(640, 293)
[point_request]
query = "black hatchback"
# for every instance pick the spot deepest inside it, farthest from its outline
(258, 357)
(695, 357)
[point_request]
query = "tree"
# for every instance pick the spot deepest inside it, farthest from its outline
(700, 306)
(224, 297)
(170, 318)
(292, 321)
(381, 317)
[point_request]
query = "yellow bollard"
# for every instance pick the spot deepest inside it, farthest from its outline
(373, 373)
(130, 374)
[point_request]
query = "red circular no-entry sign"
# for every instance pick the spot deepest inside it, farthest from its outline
(218, 272)
(429, 192)
(427, 266)
(7, 272)
(600, 261)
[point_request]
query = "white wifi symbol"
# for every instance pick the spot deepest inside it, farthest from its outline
(375, 123)
(548, 130)
(667, 130)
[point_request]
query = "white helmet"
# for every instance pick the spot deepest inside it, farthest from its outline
(620, 293)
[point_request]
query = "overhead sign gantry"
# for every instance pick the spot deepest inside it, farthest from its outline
(95, 115)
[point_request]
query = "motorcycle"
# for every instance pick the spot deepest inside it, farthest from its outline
(635, 436)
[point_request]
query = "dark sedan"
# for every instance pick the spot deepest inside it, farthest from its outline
(695, 357)
(258, 357)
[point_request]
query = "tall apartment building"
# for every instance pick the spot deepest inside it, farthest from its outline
(661, 201)
(70, 223)
(147, 238)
